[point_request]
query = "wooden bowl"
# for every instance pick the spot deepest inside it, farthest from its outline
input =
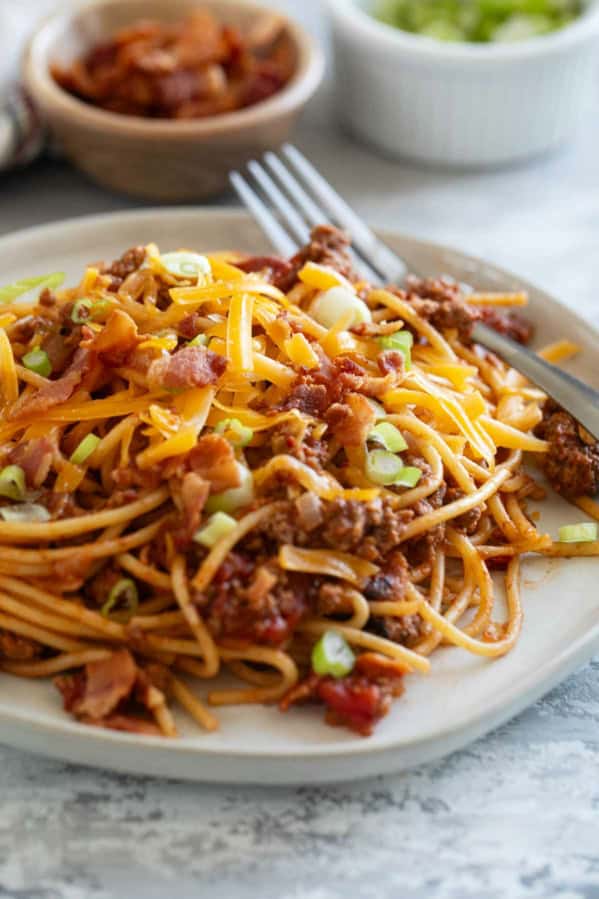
(160, 159)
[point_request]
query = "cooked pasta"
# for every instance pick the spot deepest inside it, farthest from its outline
(215, 462)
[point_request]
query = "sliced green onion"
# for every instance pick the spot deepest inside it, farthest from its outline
(586, 532)
(12, 291)
(124, 594)
(81, 311)
(182, 264)
(332, 655)
(217, 527)
(403, 341)
(85, 449)
(409, 477)
(89, 310)
(199, 340)
(235, 431)
(25, 512)
(383, 467)
(38, 361)
(389, 437)
(12, 482)
(236, 497)
(336, 302)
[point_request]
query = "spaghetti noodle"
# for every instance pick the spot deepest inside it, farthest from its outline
(216, 462)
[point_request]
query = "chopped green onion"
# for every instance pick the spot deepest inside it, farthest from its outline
(479, 21)
(25, 512)
(124, 594)
(12, 482)
(235, 497)
(183, 264)
(89, 310)
(389, 437)
(332, 655)
(85, 449)
(199, 340)
(403, 341)
(335, 303)
(81, 311)
(12, 291)
(38, 361)
(586, 532)
(235, 431)
(383, 467)
(409, 477)
(217, 527)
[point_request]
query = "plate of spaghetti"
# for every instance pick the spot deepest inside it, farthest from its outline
(262, 521)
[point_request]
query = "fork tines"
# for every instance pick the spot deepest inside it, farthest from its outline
(287, 196)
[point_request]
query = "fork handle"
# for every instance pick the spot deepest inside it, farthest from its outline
(573, 395)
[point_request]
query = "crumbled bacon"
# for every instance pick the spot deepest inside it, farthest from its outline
(59, 391)
(391, 362)
(214, 460)
(35, 458)
(186, 69)
(191, 366)
(104, 685)
(107, 693)
(117, 339)
(351, 422)
(191, 492)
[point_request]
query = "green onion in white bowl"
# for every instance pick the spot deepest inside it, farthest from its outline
(478, 21)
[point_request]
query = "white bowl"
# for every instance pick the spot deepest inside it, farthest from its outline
(461, 104)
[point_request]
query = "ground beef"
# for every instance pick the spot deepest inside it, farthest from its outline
(390, 584)
(285, 440)
(441, 303)
(124, 266)
(512, 324)
(403, 629)
(327, 246)
(572, 463)
(277, 271)
(369, 530)
(469, 521)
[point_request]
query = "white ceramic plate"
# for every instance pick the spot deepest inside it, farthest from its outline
(464, 696)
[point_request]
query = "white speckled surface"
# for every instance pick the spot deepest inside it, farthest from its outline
(513, 816)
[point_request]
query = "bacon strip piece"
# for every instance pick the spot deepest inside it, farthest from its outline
(214, 460)
(35, 458)
(192, 366)
(59, 391)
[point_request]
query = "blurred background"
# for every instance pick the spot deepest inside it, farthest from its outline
(538, 219)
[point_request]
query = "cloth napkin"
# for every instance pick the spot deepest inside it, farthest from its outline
(21, 132)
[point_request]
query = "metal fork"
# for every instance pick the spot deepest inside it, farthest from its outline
(287, 196)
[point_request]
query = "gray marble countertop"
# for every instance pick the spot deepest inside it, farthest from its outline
(514, 815)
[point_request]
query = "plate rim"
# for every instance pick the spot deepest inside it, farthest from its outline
(460, 731)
